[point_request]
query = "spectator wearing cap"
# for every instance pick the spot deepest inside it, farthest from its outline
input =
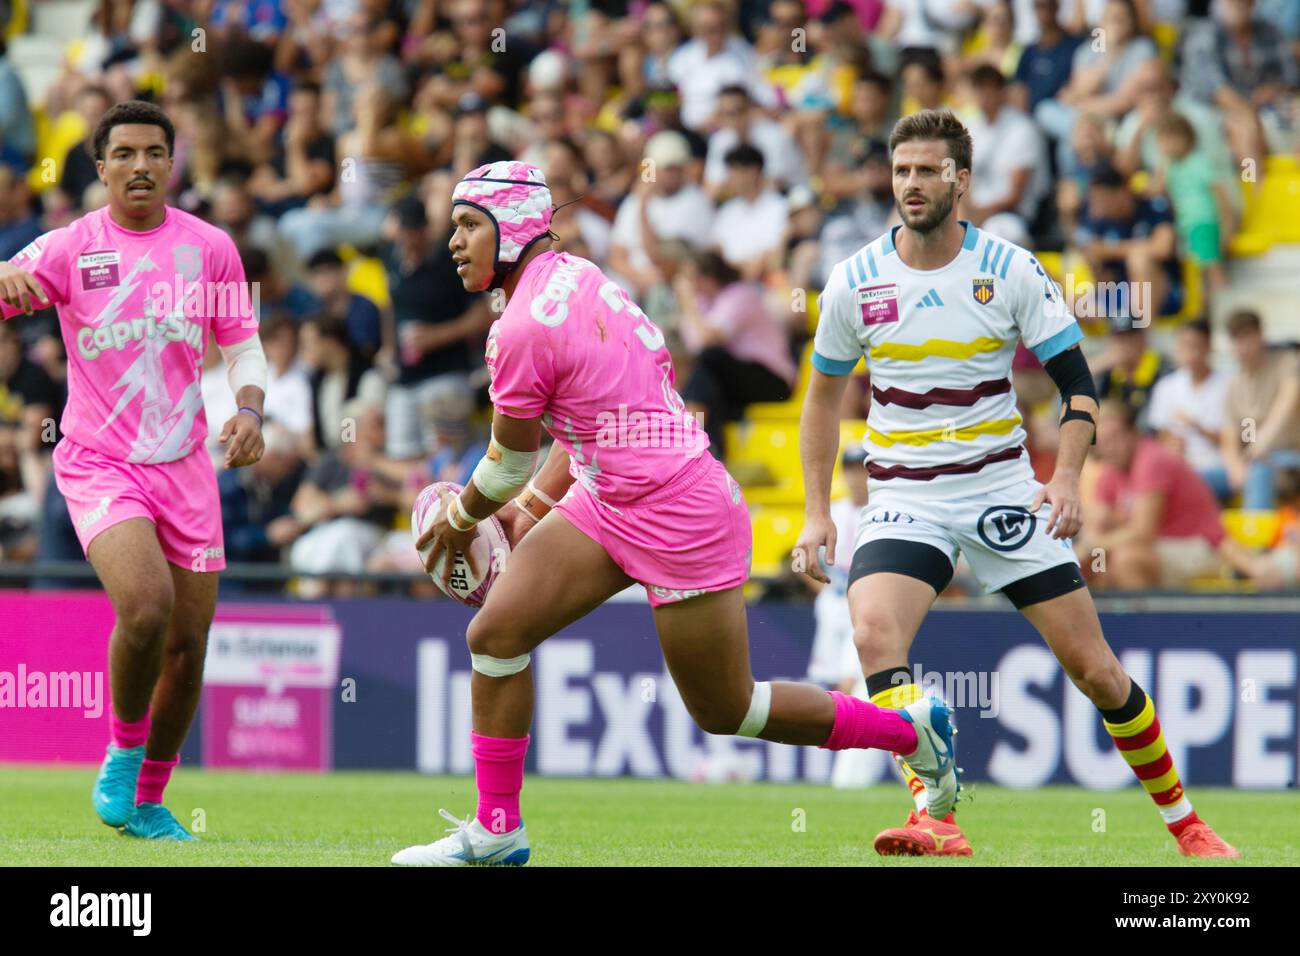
(749, 226)
(741, 351)
(329, 284)
(436, 322)
(714, 58)
(852, 166)
(1128, 369)
(1187, 407)
(1245, 66)
(1261, 428)
(1009, 175)
(1130, 243)
(1154, 519)
(739, 121)
(303, 162)
(663, 205)
(1044, 66)
(338, 374)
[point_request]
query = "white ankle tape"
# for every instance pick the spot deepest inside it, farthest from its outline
(499, 666)
(759, 706)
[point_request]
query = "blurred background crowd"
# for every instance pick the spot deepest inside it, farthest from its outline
(716, 159)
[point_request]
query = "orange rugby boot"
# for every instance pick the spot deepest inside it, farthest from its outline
(922, 835)
(1199, 839)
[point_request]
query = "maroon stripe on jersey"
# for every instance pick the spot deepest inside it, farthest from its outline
(940, 396)
(881, 473)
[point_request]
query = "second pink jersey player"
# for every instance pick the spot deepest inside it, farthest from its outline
(571, 347)
(135, 312)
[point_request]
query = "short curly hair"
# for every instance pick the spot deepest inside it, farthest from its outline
(132, 111)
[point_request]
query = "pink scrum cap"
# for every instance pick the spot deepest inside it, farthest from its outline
(517, 200)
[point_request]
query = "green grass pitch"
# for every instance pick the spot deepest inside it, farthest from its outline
(361, 819)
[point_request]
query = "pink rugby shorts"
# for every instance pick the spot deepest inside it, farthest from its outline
(179, 497)
(689, 537)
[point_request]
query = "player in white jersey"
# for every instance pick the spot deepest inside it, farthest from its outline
(937, 307)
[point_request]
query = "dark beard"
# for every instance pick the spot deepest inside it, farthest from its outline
(940, 210)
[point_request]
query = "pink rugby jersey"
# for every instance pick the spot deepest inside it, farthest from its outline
(135, 309)
(574, 349)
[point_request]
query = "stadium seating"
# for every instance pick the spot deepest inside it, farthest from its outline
(1271, 208)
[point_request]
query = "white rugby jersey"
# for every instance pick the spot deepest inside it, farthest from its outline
(939, 345)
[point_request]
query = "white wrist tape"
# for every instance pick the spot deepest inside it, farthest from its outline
(459, 518)
(541, 495)
(501, 473)
(498, 666)
(245, 363)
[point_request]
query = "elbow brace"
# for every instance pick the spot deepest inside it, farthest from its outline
(245, 363)
(502, 473)
(1069, 370)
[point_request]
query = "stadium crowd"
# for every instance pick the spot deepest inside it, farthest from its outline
(717, 159)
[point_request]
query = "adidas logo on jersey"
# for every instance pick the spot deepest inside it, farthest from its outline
(930, 300)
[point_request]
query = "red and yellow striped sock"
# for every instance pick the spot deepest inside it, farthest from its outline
(885, 691)
(1135, 729)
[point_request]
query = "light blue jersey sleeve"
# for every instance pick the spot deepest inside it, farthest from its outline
(1039, 309)
(836, 349)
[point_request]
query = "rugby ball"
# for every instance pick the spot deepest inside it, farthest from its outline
(490, 548)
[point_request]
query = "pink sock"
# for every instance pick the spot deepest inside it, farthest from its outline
(499, 773)
(861, 724)
(132, 734)
(154, 775)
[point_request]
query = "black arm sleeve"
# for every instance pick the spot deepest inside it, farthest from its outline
(1069, 370)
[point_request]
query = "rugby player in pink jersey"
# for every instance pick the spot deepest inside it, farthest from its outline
(628, 494)
(139, 286)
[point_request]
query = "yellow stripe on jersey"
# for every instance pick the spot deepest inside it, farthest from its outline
(1001, 426)
(936, 348)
